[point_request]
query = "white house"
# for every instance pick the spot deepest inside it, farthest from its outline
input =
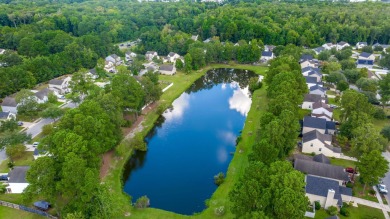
(130, 55)
(61, 86)
(322, 108)
(172, 57)
(321, 116)
(116, 60)
(109, 67)
(360, 45)
(341, 45)
(266, 56)
(17, 179)
(366, 59)
(150, 55)
(327, 192)
(321, 125)
(92, 74)
(315, 74)
(312, 81)
(317, 89)
(269, 48)
(2, 51)
(318, 143)
(4, 116)
(310, 99)
(329, 46)
(9, 105)
(42, 95)
(167, 69)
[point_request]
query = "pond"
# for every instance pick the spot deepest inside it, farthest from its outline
(191, 142)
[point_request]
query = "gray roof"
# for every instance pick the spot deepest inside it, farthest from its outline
(319, 49)
(4, 115)
(18, 174)
(362, 43)
(306, 57)
(330, 125)
(316, 135)
(317, 87)
(365, 54)
(314, 73)
(302, 157)
(342, 43)
(166, 67)
(93, 71)
(266, 54)
(150, 52)
(320, 186)
(321, 158)
(313, 122)
(56, 81)
(320, 104)
(42, 93)
(114, 56)
(311, 80)
(320, 115)
(312, 98)
(9, 101)
(321, 169)
(309, 68)
(171, 54)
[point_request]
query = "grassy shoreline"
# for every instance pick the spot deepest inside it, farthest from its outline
(219, 198)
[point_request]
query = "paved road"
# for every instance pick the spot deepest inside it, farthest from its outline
(386, 179)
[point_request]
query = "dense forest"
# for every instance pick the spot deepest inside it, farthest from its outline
(52, 38)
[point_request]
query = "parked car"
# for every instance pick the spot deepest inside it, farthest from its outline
(350, 170)
(20, 123)
(382, 188)
(35, 144)
(4, 177)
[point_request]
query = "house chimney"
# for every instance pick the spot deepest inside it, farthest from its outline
(329, 198)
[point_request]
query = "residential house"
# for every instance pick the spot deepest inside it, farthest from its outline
(321, 116)
(2, 51)
(312, 81)
(318, 143)
(194, 37)
(322, 170)
(129, 56)
(151, 67)
(381, 45)
(269, 48)
(329, 46)
(309, 63)
(317, 89)
(150, 55)
(360, 45)
(167, 69)
(320, 158)
(322, 108)
(17, 179)
(308, 69)
(92, 73)
(327, 192)
(116, 60)
(60, 86)
(310, 99)
(109, 67)
(266, 56)
(341, 45)
(7, 116)
(318, 50)
(207, 40)
(9, 105)
(321, 125)
(305, 58)
(172, 57)
(42, 96)
(315, 74)
(366, 59)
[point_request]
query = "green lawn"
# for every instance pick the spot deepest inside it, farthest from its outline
(11, 213)
(358, 191)
(361, 212)
(330, 92)
(26, 160)
(239, 162)
(303, 113)
(342, 162)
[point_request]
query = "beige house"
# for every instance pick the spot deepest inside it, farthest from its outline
(150, 55)
(310, 99)
(322, 108)
(321, 125)
(308, 63)
(60, 86)
(326, 191)
(318, 143)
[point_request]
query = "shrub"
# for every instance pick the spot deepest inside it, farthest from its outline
(371, 191)
(344, 211)
(219, 211)
(138, 143)
(15, 151)
(254, 84)
(10, 164)
(238, 139)
(142, 202)
(349, 185)
(219, 178)
(379, 113)
(317, 205)
(332, 210)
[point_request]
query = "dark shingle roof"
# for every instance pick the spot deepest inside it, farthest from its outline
(56, 81)
(317, 87)
(9, 101)
(4, 115)
(342, 43)
(320, 186)
(310, 80)
(320, 115)
(114, 56)
(321, 158)
(305, 57)
(166, 67)
(309, 68)
(321, 169)
(333, 148)
(316, 135)
(93, 71)
(312, 98)
(171, 54)
(18, 174)
(150, 52)
(314, 73)
(313, 122)
(320, 104)
(330, 125)
(365, 54)
(345, 191)
(319, 49)
(42, 93)
(266, 54)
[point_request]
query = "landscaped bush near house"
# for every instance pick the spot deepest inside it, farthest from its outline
(371, 191)
(344, 211)
(332, 210)
(219, 178)
(317, 205)
(379, 113)
(349, 185)
(142, 202)
(219, 211)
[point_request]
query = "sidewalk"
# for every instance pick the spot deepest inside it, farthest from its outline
(378, 196)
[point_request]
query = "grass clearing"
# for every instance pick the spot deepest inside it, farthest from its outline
(360, 212)
(182, 82)
(6, 212)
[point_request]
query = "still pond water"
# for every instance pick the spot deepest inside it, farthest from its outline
(191, 142)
